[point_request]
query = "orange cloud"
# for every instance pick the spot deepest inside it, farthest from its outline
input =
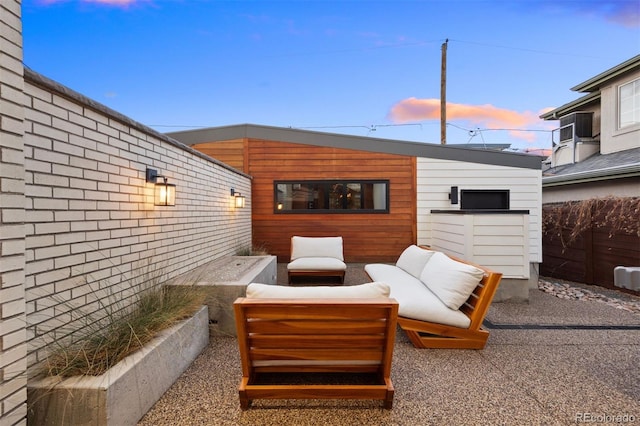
(489, 116)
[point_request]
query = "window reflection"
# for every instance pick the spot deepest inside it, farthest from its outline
(331, 196)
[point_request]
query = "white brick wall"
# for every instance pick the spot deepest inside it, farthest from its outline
(91, 219)
(13, 347)
(77, 217)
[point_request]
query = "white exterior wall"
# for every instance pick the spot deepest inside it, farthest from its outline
(92, 231)
(613, 139)
(568, 152)
(436, 177)
(498, 241)
(13, 347)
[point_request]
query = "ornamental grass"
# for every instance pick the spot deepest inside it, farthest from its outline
(104, 342)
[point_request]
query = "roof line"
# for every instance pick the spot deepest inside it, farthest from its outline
(594, 83)
(570, 107)
(361, 143)
(617, 172)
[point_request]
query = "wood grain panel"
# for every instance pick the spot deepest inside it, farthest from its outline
(367, 237)
(230, 152)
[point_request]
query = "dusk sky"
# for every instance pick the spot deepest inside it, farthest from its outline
(367, 68)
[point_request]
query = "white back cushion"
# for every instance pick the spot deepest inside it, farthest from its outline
(450, 280)
(267, 291)
(413, 259)
(316, 247)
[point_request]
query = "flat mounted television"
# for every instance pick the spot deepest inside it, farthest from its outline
(484, 199)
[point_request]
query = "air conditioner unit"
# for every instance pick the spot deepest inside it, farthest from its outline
(578, 124)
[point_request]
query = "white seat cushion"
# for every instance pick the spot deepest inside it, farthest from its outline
(415, 300)
(330, 247)
(266, 291)
(450, 280)
(317, 264)
(413, 259)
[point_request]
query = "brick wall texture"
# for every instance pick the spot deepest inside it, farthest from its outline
(79, 227)
(13, 345)
(93, 234)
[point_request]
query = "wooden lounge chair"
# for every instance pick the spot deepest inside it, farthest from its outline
(424, 334)
(314, 337)
(317, 257)
(428, 313)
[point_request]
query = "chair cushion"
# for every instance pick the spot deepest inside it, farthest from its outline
(317, 264)
(267, 291)
(450, 280)
(316, 247)
(415, 300)
(413, 259)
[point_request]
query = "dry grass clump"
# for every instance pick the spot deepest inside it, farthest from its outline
(255, 250)
(569, 220)
(101, 345)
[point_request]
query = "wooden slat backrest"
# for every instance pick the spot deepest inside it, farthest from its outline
(338, 335)
(478, 302)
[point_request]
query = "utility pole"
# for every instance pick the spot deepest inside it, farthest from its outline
(443, 94)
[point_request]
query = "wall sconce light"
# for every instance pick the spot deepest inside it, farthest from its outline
(164, 193)
(238, 199)
(453, 195)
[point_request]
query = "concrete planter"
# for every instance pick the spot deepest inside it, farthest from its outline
(226, 279)
(128, 390)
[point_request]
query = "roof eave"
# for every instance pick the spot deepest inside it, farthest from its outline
(619, 172)
(594, 83)
(362, 143)
(570, 107)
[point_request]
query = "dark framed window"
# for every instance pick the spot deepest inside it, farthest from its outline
(331, 196)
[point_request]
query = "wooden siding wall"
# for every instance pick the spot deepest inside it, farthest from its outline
(230, 152)
(367, 237)
(591, 257)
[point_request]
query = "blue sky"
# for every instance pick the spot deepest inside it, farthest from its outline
(368, 68)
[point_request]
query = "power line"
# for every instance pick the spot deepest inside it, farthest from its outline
(358, 49)
(524, 49)
(373, 127)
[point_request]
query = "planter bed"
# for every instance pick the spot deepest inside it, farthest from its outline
(128, 390)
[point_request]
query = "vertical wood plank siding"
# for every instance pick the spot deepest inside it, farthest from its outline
(231, 152)
(367, 237)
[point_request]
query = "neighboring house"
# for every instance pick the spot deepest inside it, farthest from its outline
(382, 195)
(596, 154)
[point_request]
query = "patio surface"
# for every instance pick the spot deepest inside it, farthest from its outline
(549, 362)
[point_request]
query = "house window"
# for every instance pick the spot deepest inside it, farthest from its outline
(331, 196)
(629, 104)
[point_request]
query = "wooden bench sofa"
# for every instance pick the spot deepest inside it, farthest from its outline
(314, 337)
(317, 256)
(443, 300)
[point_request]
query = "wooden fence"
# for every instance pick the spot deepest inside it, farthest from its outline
(591, 256)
